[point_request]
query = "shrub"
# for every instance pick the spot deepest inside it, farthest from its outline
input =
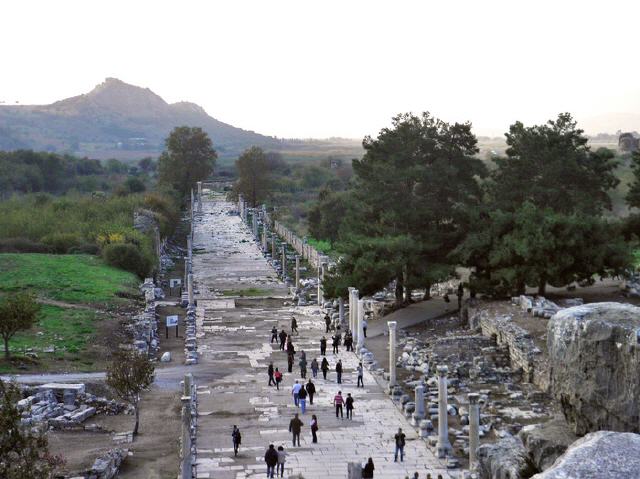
(22, 245)
(128, 257)
(61, 243)
(85, 248)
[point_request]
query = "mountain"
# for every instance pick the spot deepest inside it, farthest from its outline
(115, 120)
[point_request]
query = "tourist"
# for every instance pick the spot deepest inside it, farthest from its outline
(365, 324)
(335, 343)
(294, 325)
(338, 401)
(460, 295)
(270, 372)
(236, 437)
(311, 390)
(303, 367)
(271, 458)
(349, 406)
(348, 340)
(274, 335)
(282, 458)
(314, 429)
(290, 362)
(291, 349)
(295, 390)
(303, 355)
(278, 375)
(339, 370)
(400, 440)
(360, 376)
(302, 399)
(324, 367)
(294, 428)
(323, 346)
(327, 322)
(314, 368)
(367, 471)
(283, 339)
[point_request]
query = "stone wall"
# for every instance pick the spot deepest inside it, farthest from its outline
(523, 352)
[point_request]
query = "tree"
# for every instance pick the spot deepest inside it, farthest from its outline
(189, 157)
(409, 202)
(253, 176)
(129, 374)
(326, 215)
(148, 165)
(18, 312)
(24, 450)
(633, 196)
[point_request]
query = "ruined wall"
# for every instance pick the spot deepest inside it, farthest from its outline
(523, 352)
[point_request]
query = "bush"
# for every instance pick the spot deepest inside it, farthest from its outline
(128, 257)
(22, 245)
(85, 248)
(61, 243)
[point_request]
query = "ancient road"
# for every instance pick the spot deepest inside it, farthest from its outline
(232, 380)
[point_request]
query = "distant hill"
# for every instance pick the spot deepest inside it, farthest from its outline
(116, 120)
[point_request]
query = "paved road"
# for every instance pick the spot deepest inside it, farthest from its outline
(234, 345)
(412, 315)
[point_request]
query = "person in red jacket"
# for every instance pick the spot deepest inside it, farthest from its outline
(338, 401)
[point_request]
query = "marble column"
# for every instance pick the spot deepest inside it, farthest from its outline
(350, 299)
(392, 353)
(355, 295)
(297, 271)
(321, 271)
(443, 447)
(341, 310)
(474, 429)
(418, 414)
(273, 247)
(254, 224)
(284, 262)
(190, 288)
(360, 343)
(199, 196)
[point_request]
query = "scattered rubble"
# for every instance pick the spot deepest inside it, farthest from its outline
(505, 459)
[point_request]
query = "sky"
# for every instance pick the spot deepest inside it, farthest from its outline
(303, 69)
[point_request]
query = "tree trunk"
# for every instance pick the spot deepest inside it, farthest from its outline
(137, 411)
(6, 349)
(399, 289)
(427, 292)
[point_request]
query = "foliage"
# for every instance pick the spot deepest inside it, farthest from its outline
(128, 257)
(17, 313)
(24, 450)
(327, 215)
(128, 375)
(633, 196)
(189, 157)
(253, 176)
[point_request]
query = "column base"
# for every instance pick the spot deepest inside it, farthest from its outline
(443, 448)
(416, 419)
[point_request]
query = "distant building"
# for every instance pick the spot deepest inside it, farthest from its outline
(628, 142)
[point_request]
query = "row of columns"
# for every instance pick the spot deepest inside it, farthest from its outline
(443, 446)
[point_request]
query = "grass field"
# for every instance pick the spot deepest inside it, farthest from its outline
(80, 299)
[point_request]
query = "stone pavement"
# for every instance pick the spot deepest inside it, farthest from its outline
(231, 377)
(413, 315)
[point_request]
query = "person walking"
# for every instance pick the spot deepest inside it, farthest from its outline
(311, 390)
(339, 371)
(314, 429)
(274, 335)
(323, 346)
(338, 401)
(278, 376)
(348, 341)
(282, 458)
(325, 367)
(360, 376)
(270, 372)
(302, 399)
(327, 322)
(335, 343)
(460, 295)
(294, 325)
(295, 392)
(314, 368)
(283, 339)
(303, 367)
(271, 458)
(290, 363)
(367, 471)
(349, 406)
(236, 437)
(365, 324)
(400, 440)
(295, 426)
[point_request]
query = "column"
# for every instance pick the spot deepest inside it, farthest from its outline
(360, 342)
(273, 247)
(190, 288)
(392, 353)
(321, 271)
(341, 310)
(443, 447)
(418, 414)
(350, 299)
(297, 271)
(199, 196)
(254, 221)
(474, 427)
(189, 254)
(284, 261)
(354, 317)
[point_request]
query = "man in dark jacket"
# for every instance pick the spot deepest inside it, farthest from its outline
(271, 458)
(323, 346)
(294, 428)
(327, 322)
(400, 442)
(274, 334)
(339, 370)
(283, 339)
(270, 373)
(311, 390)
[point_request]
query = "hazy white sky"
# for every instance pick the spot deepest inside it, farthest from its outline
(335, 68)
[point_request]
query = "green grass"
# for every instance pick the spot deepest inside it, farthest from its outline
(321, 245)
(245, 292)
(68, 278)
